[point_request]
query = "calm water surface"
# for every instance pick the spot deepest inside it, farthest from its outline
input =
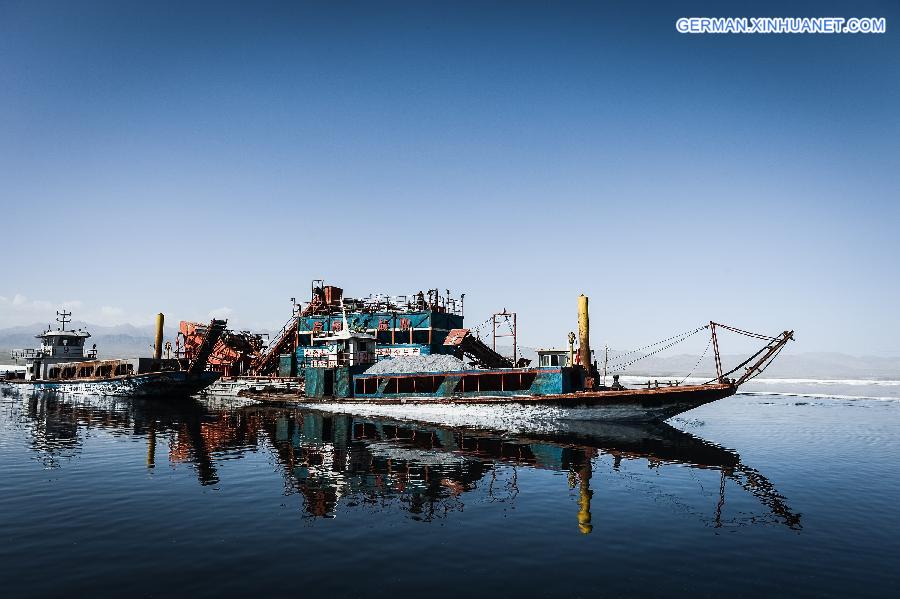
(791, 495)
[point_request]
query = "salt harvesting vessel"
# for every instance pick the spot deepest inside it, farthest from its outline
(410, 356)
(62, 365)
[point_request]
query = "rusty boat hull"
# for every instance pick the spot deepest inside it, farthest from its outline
(529, 413)
(167, 384)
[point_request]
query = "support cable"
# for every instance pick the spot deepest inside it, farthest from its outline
(703, 355)
(677, 339)
(684, 334)
(743, 332)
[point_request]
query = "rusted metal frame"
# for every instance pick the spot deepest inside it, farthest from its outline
(513, 332)
(207, 345)
(515, 339)
(781, 340)
(743, 332)
(715, 341)
(773, 349)
(739, 366)
(494, 332)
(96, 368)
(288, 331)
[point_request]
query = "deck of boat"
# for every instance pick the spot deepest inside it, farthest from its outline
(653, 395)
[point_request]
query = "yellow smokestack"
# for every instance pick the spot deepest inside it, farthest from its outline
(584, 334)
(158, 345)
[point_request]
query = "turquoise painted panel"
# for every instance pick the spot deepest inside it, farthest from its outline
(287, 365)
(315, 382)
(547, 382)
(438, 321)
(342, 382)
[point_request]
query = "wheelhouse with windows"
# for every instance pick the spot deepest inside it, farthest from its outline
(58, 348)
(553, 358)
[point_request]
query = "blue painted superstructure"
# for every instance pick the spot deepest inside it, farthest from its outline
(396, 333)
(334, 338)
(406, 325)
(496, 382)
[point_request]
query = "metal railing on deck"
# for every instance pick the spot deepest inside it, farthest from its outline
(21, 354)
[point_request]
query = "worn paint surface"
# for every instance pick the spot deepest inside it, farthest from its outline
(502, 382)
(287, 365)
(156, 384)
(406, 333)
(496, 411)
(315, 381)
(342, 382)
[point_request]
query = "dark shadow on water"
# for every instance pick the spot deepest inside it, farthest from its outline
(338, 461)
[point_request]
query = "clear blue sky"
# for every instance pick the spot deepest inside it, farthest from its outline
(190, 157)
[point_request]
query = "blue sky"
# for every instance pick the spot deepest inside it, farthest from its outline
(216, 157)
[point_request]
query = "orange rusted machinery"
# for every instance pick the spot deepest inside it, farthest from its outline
(232, 354)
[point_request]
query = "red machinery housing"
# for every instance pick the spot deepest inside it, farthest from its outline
(233, 353)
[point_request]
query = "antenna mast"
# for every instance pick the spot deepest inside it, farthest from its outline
(63, 318)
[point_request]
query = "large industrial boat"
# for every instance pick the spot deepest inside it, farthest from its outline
(62, 365)
(411, 355)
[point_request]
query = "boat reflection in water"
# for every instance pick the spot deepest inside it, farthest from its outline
(337, 461)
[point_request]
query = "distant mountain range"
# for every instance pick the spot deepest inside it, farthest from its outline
(130, 341)
(120, 341)
(808, 365)
(126, 340)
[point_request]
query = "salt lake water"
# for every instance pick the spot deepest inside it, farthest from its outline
(788, 490)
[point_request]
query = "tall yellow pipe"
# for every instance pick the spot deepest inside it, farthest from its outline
(584, 500)
(158, 345)
(151, 446)
(584, 333)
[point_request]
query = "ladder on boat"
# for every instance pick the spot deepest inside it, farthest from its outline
(286, 339)
(268, 360)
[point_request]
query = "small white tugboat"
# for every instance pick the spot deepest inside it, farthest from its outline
(61, 365)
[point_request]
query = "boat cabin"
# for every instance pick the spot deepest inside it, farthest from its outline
(62, 357)
(553, 358)
(341, 348)
(68, 345)
(57, 347)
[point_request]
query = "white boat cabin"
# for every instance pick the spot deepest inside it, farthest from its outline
(57, 347)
